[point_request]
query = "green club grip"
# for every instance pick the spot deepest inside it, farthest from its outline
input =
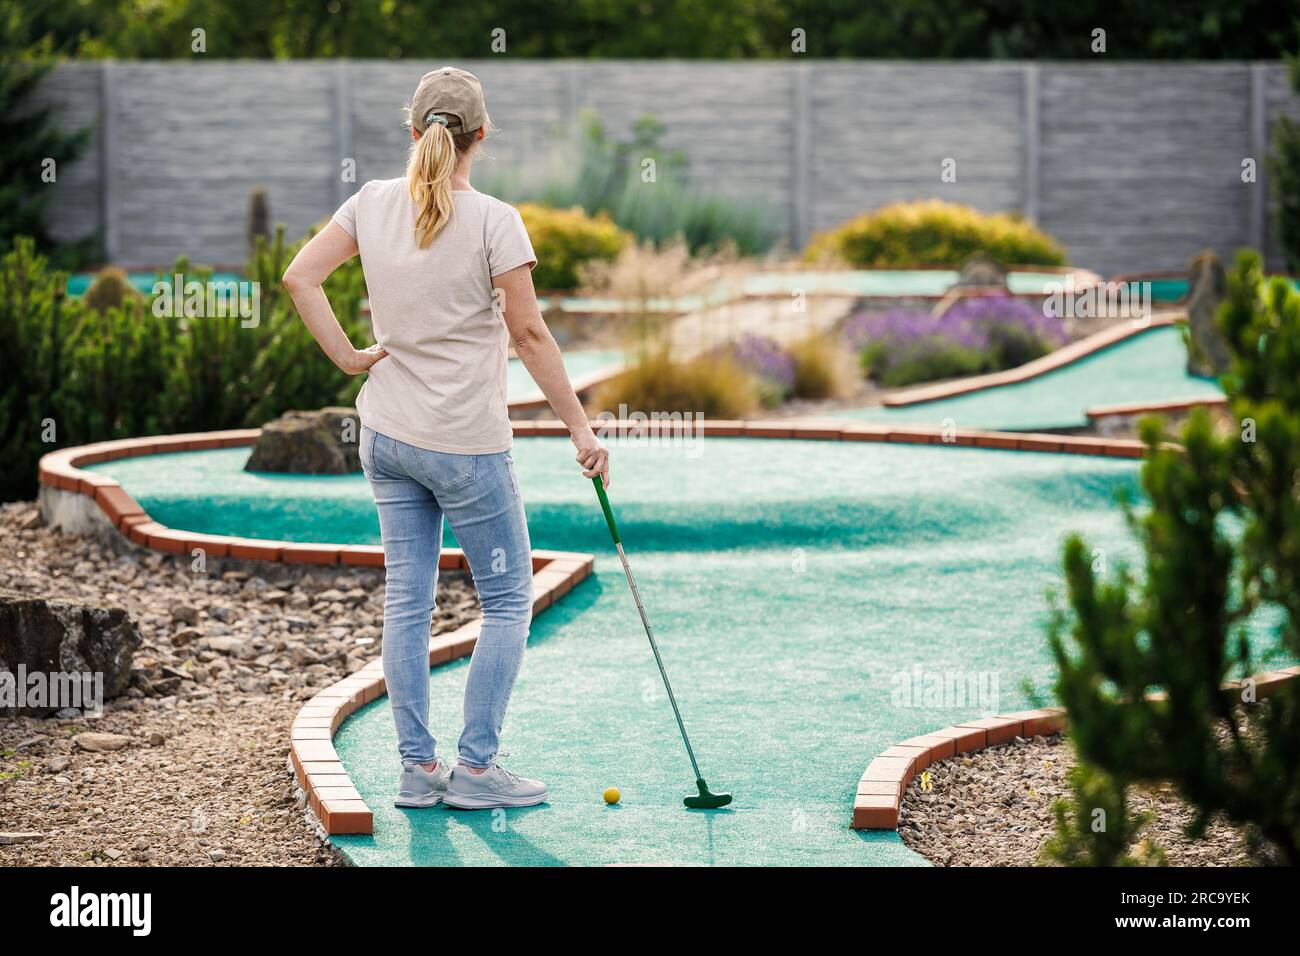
(604, 506)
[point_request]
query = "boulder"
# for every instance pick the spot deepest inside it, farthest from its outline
(101, 743)
(1207, 353)
(981, 271)
(322, 442)
(979, 275)
(57, 639)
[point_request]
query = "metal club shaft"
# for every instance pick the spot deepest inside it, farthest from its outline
(654, 646)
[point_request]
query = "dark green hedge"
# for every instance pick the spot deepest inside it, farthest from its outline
(70, 374)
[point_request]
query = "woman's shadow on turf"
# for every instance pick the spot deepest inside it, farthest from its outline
(431, 846)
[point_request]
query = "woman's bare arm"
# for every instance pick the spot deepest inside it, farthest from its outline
(536, 348)
(325, 252)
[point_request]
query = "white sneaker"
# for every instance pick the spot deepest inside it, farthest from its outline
(422, 788)
(494, 787)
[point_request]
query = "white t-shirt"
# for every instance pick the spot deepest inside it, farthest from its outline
(443, 384)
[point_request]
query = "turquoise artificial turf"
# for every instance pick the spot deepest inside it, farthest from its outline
(797, 589)
(1149, 367)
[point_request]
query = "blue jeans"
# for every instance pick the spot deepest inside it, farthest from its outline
(413, 489)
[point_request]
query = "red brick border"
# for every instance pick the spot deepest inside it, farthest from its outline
(1155, 408)
(584, 383)
(1066, 355)
(317, 767)
(880, 790)
(333, 798)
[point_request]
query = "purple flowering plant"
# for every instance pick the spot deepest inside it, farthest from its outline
(977, 334)
(772, 366)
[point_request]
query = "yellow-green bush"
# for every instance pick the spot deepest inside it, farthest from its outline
(714, 385)
(934, 233)
(566, 238)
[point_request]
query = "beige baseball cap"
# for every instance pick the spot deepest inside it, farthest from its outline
(452, 94)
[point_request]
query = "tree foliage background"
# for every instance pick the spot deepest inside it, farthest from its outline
(721, 29)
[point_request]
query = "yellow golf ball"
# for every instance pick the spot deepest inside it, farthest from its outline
(611, 795)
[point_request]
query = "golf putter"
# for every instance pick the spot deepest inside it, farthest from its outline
(704, 800)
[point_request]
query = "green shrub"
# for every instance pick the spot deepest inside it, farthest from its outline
(70, 374)
(117, 383)
(669, 209)
(1219, 565)
(895, 364)
(564, 239)
(289, 370)
(933, 233)
(35, 316)
(583, 166)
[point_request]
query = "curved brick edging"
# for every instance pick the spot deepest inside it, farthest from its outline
(880, 790)
(1134, 409)
(581, 386)
(1065, 355)
(315, 762)
(335, 801)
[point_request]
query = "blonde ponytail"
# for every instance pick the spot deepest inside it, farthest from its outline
(428, 177)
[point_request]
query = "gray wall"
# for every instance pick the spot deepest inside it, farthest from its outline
(1132, 166)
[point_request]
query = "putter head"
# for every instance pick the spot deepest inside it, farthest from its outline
(706, 800)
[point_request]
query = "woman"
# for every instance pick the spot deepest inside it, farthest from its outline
(444, 264)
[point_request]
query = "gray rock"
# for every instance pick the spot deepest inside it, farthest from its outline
(99, 742)
(322, 442)
(1207, 352)
(185, 614)
(982, 271)
(13, 839)
(58, 764)
(55, 637)
(223, 644)
(186, 635)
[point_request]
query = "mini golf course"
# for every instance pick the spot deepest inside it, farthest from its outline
(797, 589)
(580, 364)
(865, 283)
(1147, 367)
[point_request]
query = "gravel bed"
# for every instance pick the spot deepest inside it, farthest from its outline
(994, 808)
(197, 773)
